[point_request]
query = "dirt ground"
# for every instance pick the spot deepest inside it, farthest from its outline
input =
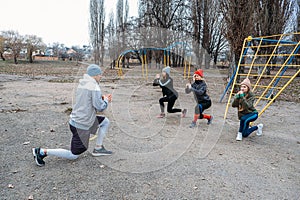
(153, 158)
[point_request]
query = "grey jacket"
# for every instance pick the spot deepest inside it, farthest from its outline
(88, 101)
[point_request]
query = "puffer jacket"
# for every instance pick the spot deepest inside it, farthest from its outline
(199, 89)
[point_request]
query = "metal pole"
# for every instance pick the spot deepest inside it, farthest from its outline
(243, 52)
(280, 91)
(277, 74)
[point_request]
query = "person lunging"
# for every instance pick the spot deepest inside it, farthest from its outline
(199, 89)
(244, 101)
(83, 120)
(170, 95)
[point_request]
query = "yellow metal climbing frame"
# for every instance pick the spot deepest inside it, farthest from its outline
(271, 63)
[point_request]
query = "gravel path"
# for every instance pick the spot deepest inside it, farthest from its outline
(153, 158)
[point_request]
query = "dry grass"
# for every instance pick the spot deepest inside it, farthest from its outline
(65, 71)
(38, 68)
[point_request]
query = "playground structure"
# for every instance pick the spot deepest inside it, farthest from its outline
(160, 54)
(271, 63)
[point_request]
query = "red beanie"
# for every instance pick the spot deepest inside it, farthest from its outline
(199, 72)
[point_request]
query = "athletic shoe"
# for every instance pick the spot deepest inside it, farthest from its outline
(239, 136)
(101, 152)
(193, 125)
(209, 121)
(161, 115)
(184, 113)
(38, 157)
(259, 129)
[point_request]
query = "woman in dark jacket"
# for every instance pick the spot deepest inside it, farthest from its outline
(203, 101)
(244, 101)
(169, 93)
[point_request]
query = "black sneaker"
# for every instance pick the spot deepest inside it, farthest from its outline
(101, 152)
(210, 120)
(38, 157)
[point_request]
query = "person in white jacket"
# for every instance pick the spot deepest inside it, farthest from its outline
(83, 120)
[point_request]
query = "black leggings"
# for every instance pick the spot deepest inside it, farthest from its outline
(199, 108)
(171, 102)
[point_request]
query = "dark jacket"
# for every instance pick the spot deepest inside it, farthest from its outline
(244, 103)
(166, 86)
(199, 89)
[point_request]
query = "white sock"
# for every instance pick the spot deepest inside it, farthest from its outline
(62, 153)
(102, 131)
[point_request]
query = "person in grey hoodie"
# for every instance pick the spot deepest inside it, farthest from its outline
(83, 120)
(170, 95)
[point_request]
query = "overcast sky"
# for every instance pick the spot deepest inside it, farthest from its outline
(63, 21)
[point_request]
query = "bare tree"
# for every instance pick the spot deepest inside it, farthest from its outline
(33, 43)
(272, 18)
(213, 40)
(121, 22)
(196, 19)
(55, 47)
(111, 39)
(78, 54)
(97, 19)
(14, 42)
(238, 19)
(2, 47)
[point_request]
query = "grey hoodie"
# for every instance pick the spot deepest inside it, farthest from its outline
(88, 101)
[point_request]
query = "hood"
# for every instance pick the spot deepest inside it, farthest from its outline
(87, 82)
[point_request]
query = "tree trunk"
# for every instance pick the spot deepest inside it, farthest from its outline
(215, 59)
(1, 56)
(30, 56)
(15, 59)
(207, 60)
(200, 58)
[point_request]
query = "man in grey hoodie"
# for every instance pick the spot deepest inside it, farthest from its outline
(83, 120)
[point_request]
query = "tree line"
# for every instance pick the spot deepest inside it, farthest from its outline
(213, 26)
(13, 42)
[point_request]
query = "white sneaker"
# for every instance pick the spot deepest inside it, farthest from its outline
(239, 136)
(259, 130)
